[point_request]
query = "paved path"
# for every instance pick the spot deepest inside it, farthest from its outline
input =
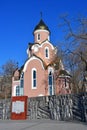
(41, 125)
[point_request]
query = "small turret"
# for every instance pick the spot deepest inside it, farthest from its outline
(41, 32)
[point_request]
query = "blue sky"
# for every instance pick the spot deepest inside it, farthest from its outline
(19, 17)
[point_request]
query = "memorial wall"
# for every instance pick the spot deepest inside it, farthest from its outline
(61, 107)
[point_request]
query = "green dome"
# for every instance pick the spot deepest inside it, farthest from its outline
(42, 26)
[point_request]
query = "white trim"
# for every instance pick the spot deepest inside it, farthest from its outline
(51, 69)
(40, 30)
(40, 95)
(34, 69)
(47, 42)
(64, 76)
(48, 38)
(35, 45)
(31, 59)
(14, 90)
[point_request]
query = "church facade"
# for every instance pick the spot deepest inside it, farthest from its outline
(37, 76)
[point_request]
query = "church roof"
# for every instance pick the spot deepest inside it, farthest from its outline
(41, 25)
(64, 73)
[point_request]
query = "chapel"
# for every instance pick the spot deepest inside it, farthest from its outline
(43, 73)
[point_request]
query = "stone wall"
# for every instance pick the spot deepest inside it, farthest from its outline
(62, 107)
(5, 108)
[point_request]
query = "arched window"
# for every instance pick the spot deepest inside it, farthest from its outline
(47, 52)
(50, 81)
(22, 80)
(17, 91)
(34, 77)
(22, 84)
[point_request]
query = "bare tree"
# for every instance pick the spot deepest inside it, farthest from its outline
(76, 52)
(6, 78)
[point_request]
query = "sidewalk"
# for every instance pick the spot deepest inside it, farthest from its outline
(41, 125)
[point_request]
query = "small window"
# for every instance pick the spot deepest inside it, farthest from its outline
(47, 52)
(17, 91)
(38, 37)
(34, 75)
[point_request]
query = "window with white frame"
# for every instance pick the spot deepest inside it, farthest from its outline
(46, 52)
(34, 78)
(17, 91)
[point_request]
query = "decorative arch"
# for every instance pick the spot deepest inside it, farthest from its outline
(31, 59)
(47, 42)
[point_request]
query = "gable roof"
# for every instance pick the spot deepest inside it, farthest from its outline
(64, 73)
